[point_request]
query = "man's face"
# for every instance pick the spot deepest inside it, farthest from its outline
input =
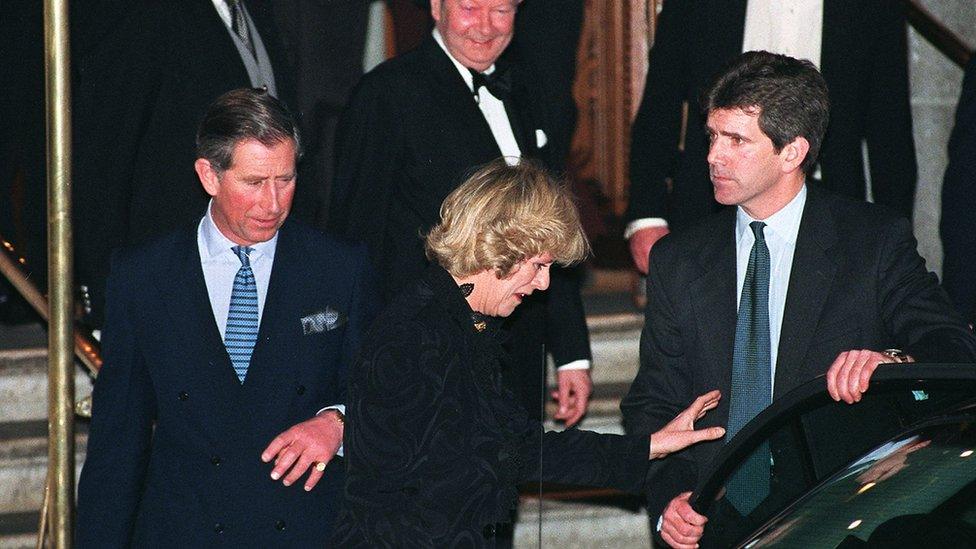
(745, 168)
(252, 197)
(476, 32)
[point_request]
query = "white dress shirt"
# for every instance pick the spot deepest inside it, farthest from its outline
(793, 28)
(494, 112)
(780, 232)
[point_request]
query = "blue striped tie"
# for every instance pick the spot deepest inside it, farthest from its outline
(242, 318)
(752, 385)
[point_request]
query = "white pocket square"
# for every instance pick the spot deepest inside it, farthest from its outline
(323, 321)
(540, 139)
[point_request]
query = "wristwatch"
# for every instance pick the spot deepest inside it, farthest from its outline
(897, 356)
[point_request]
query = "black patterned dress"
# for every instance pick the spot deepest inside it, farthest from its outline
(435, 445)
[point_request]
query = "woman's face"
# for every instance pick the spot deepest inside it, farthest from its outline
(502, 296)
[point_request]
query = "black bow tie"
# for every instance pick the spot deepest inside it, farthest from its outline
(499, 83)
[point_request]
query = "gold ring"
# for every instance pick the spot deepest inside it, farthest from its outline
(320, 466)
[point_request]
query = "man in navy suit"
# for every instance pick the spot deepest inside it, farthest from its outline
(226, 346)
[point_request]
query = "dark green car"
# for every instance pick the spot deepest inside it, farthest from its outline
(895, 470)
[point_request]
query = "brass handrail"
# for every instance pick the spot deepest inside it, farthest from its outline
(87, 350)
(944, 40)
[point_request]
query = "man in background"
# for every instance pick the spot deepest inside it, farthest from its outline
(415, 128)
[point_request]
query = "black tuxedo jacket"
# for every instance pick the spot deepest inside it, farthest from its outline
(174, 451)
(411, 134)
(857, 282)
(435, 444)
(863, 60)
(143, 90)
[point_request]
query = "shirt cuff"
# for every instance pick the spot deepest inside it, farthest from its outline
(581, 364)
(342, 410)
(660, 522)
(644, 223)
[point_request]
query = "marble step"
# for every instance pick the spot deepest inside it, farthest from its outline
(23, 463)
(600, 521)
(23, 384)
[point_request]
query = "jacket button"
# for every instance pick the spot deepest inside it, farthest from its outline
(215, 460)
(183, 396)
(300, 390)
(280, 525)
(489, 531)
(219, 528)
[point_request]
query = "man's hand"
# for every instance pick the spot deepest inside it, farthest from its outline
(640, 245)
(573, 394)
(306, 444)
(681, 526)
(680, 432)
(850, 374)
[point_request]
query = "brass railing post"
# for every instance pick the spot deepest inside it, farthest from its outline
(61, 447)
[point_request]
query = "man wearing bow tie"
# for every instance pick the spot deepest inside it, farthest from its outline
(416, 126)
(226, 346)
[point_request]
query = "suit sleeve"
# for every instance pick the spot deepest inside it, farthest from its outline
(915, 309)
(119, 441)
(367, 139)
(891, 147)
(663, 385)
(363, 308)
(657, 127)
(959, 203)
(567, 337)
(119, 85)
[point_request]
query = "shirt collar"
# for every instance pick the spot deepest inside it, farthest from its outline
(465, 72)
(785, 223)
(216, 244)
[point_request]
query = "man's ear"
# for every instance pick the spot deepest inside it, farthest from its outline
(794, 152)
(435, 9)
(208, 176)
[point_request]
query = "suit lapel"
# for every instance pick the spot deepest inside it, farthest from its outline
(811, 278)
(269, 375)
(520, 105)
(713, 297)
(451, 94)
(204, 362)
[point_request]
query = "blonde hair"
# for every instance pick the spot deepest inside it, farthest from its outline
(502, 215)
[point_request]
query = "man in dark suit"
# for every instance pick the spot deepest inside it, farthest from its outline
(143, 86)
(958, 224)
(824, 283)
(415, 128)
(221, 338)
(860, 46)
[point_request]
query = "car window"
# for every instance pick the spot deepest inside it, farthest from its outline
(796, 445)
(914, 491)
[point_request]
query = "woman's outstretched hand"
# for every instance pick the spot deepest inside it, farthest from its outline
(680, 432)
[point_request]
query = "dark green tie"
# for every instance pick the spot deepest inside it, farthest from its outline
(752, 385)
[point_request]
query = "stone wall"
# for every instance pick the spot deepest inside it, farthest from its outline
(935, 86)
